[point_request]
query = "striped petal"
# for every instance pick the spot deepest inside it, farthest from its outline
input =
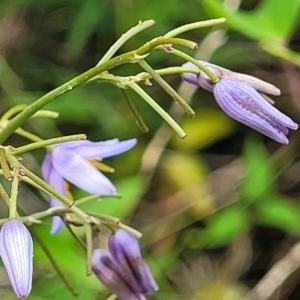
(16, 248)
(110, 274)
(244, 104)
(125, 249)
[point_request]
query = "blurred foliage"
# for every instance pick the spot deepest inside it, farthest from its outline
(278, 21)
(206, 192)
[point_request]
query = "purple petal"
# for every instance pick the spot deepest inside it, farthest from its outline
(47, 167)
(98, 150)
(244, 104)
(190, 77)
(56, 181)
(109, 273)
(201, 79)
(125, 249)
(81, 173)
(57, 225)
(16, 248)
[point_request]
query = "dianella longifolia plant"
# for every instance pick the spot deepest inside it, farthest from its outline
(74, 159)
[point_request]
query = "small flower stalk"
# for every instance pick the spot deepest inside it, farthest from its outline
(71, 161)
(16, 248)
(243, 98)
(123, 269)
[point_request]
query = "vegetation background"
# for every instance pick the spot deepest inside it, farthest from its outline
(219, 210)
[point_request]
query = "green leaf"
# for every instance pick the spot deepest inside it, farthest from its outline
(279, 212)
(272, 19)
(86, 22)
(259, 171)
(221, 229)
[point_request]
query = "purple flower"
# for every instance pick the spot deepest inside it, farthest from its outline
(123, 269)
(242, 97)
(244, 104)
(16, 249)
(70, 161)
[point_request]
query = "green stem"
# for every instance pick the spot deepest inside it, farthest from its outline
(196, 25)
(89, 248)
(83, 216)
(4, 195)
(170, 71)
(18, 108)
(158, 109)
(52, 211)
(128, 57)
(87, 199)
(4, 165)
(135, 113)
(75, 236)
(144, 76)
(28, 135)
(190, 112)
(124, 38)
(14, 195)
(46, 113)
(46, 143)
(133, 231)
(186, 57)
(182, 42)
(115, 222)
(87, 217)
(13, 111)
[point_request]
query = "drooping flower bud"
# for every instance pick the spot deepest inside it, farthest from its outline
(125, 248)
(111, 275)
(16, 249)
(244, 104)
(123, 269)
(243, 98)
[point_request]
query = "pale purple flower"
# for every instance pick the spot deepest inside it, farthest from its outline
(241, 97)
(244, 104)
(70, 161)
(16, 249)
(123, 269)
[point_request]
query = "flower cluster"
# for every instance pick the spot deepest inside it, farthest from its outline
(16, 248)
(241, 97)
(123, 269)
(71, 161)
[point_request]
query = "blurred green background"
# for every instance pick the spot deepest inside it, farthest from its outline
(217, 209)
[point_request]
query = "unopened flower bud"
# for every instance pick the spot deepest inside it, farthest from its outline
(243, 98)
(244, 104)
(125, 248)
(16, 249)
(123, 269)
(111, 275)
